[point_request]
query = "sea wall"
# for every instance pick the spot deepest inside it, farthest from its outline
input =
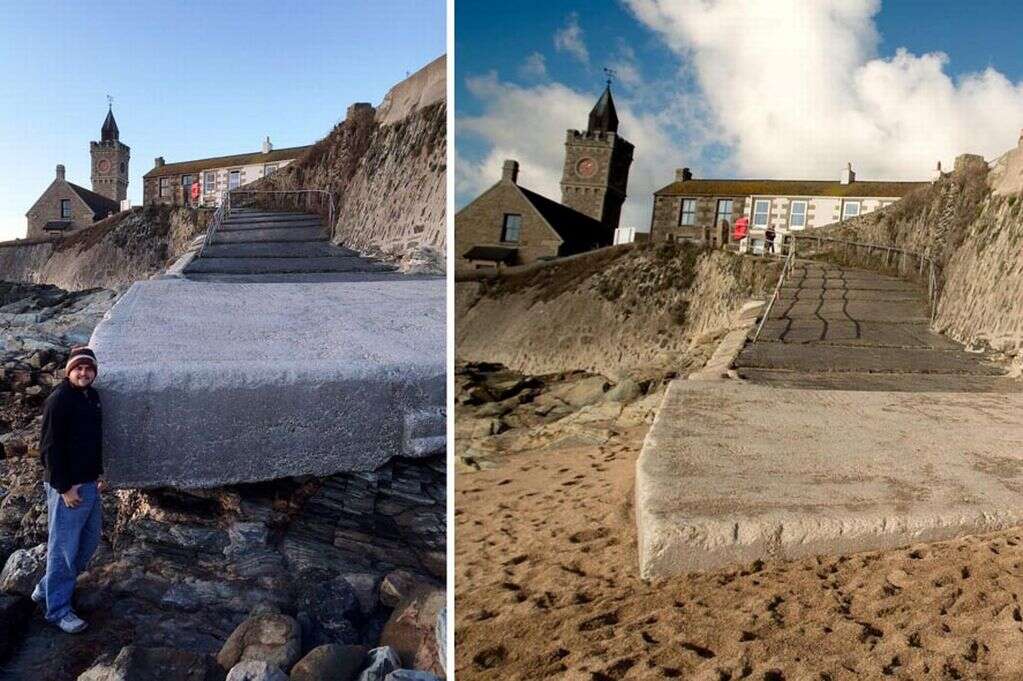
(21, 260)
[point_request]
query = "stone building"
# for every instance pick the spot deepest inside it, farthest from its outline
(170, 183)
(65, 207)
(511, 225)
(704, 210)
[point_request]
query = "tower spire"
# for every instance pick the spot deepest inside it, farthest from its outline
(603, 117)
(109, 131)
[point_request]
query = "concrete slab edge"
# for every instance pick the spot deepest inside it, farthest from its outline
(177, 270)
(720, 363)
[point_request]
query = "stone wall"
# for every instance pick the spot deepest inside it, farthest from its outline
(975, 235)
(113, 253)
(637, 306)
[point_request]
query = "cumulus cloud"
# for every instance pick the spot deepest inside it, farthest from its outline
(528, 124)
(626, 70)
(534, 67)
(570, 39)
(805, 92)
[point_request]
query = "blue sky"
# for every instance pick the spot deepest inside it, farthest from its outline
(189, 79)
(736, 88)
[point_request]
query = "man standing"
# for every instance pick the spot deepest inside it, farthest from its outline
(71, 449)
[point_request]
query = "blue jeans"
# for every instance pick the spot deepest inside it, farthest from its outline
(74, 536)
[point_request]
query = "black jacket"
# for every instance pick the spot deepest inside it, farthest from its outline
(71, 444)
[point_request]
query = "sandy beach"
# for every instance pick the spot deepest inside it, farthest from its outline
(547, 587)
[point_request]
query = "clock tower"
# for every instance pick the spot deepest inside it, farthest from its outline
(110, 161)
(597, 163)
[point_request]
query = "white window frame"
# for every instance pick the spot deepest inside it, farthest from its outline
(766, 214)
(682, 213)
(506, 228)
(234, 173)
(792, 214)
(209, 179)
(845, 209)
(164, 187)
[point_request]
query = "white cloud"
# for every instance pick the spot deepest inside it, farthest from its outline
(528, 124)
(534, 67)
(626, 71)
(805, 92)
(570, 39)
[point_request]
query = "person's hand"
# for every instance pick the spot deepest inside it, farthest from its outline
(71, 498)
(101, 485)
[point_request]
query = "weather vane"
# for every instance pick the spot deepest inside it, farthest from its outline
(610, 73)
(110, 101)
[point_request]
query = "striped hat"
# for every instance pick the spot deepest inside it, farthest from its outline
(80, 355)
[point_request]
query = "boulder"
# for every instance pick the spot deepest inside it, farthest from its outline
(382, 661)
(411, 630)
(582, 392)
(255, 670)
(397, 585)
(365, 586)
(136, 663)
(410, 675)
(14, 615)
(271, 637)
(23, 570)
(332, 606)
(626, 391)
(332, 661)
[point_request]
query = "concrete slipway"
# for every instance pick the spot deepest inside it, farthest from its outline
(206, 383)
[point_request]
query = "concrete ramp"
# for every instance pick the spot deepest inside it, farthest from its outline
(732, 472)
(209, 383)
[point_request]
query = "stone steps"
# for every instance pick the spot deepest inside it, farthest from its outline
(268, 235)
(276, 249)
(262, 217)
(268, 224)
(265, 265)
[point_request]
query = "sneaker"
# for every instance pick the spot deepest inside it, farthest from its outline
(37, 594)
(71, 623)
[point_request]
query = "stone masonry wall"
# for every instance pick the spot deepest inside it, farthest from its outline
(21, 260)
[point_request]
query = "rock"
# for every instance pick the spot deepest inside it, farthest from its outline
(497, 408)
(478, 395)
(488, 427)
(626, 391)
(583, 392)
(411, 630)
(14, 616)
(365, 586)
(410, 675)
(332, 605)
(255, 670)
(273, 638)
(332, 661)
(382, 661)
(398, 585)
(136, 663)
(23, 571)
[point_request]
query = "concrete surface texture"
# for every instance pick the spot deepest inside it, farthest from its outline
(209, 383)
(732, 472)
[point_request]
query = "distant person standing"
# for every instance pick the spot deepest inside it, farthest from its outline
(195, 194)
(71, 446)
(769, 237)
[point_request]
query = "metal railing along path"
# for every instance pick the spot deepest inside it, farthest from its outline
(222, 211)
(785, 269)
(891, 255)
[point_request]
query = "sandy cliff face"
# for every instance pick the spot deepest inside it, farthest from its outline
(611, 310)
(112, 253)
(971, 222)
(387, 168)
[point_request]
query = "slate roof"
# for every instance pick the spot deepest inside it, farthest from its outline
(492, 253)
(57, 225)
(109, 131)
(184, 167)
(571, 225)
(788, 188)
(101, 206)
(603, 117)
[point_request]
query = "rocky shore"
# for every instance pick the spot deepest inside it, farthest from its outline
(302, 578)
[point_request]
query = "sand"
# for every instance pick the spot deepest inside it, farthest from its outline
(547, 587)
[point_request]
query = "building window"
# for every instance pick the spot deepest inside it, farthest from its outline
(797, 215)
(164, 187)
(687, 215)
(234, 179)
(267, 170)
(724, 214)
(850, 209)
(210, 183)
(186, 183)
(511, 229)
(65, 208)
(761, 211)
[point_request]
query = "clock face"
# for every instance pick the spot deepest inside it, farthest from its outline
(586, 167)
(103, 166)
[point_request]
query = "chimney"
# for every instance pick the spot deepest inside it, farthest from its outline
(936, 174)
(510, 171)
(267, 147)
(848, 176)
(683, 175)
(60, 172)
(159, 161)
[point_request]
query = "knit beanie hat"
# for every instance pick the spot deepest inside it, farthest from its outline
(80, 355)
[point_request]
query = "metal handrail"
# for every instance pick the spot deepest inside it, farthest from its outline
(329, 194)
(789, 259)
(223, 210)
(933, 268)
